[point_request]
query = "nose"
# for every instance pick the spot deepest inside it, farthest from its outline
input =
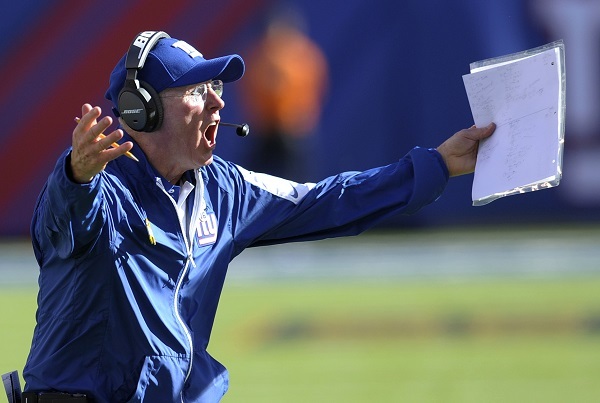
(214, 101)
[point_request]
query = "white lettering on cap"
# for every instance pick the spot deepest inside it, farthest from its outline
(187, 48)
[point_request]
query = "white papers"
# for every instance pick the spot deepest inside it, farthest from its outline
(524, 95)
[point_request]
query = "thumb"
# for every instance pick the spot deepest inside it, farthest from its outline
(486, 131)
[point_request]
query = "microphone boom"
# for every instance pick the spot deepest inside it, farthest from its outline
(241, 130)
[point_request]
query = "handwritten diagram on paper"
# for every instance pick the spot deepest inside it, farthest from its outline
(525, 98)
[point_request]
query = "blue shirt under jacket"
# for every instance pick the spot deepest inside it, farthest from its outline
(128, 287)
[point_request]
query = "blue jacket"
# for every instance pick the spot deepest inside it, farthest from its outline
(126, 304)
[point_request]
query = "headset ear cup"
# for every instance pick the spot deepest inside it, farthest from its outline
(154, 108)
(141, 108)
(132, 107)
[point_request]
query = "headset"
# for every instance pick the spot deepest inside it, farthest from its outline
(138, 103)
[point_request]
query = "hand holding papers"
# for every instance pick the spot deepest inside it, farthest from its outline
(524, 94)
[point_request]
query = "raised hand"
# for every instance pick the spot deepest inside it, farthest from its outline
(91, 152)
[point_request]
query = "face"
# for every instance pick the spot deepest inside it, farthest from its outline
(191, 116)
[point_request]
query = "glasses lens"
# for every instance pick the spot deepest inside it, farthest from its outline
(199, 92)
(217, 86)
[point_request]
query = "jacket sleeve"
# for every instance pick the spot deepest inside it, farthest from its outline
(341, 205)
(68, 215)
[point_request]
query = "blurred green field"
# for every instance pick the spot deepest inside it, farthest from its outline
(478, 340)
(473, 341)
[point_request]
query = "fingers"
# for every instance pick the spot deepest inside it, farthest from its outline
(90, 127)
(95, 133)
(92, 150)
(106, 141)
(110, 148)
(85, 109)
(460, 150)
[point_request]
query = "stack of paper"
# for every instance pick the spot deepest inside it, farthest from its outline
(524, 95)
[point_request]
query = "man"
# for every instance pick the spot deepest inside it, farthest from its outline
(133, 255)
(283, 94)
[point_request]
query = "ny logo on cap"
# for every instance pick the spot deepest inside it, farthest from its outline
(187, 48)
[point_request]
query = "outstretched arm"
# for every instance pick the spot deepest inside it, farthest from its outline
(460, 151)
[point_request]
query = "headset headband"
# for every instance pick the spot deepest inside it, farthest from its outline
(139, 50)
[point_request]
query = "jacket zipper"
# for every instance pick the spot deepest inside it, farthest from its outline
(187, 332)
(189, 259)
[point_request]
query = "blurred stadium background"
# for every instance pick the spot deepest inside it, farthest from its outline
(455, 304)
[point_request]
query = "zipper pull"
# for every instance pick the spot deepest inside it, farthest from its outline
(150, 233)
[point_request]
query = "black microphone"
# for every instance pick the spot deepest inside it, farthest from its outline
(241, 130)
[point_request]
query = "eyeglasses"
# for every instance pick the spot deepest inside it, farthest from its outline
(200, 92)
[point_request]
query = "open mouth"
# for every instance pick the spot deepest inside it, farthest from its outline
(211, 135)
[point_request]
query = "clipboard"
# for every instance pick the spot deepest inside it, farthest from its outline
(524, 94)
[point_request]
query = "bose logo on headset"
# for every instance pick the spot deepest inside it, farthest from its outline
(138, 103)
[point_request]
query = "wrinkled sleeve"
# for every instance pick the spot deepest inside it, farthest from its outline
(341, 205)
(68, 214)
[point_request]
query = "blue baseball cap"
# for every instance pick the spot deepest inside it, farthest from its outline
(175, 63)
